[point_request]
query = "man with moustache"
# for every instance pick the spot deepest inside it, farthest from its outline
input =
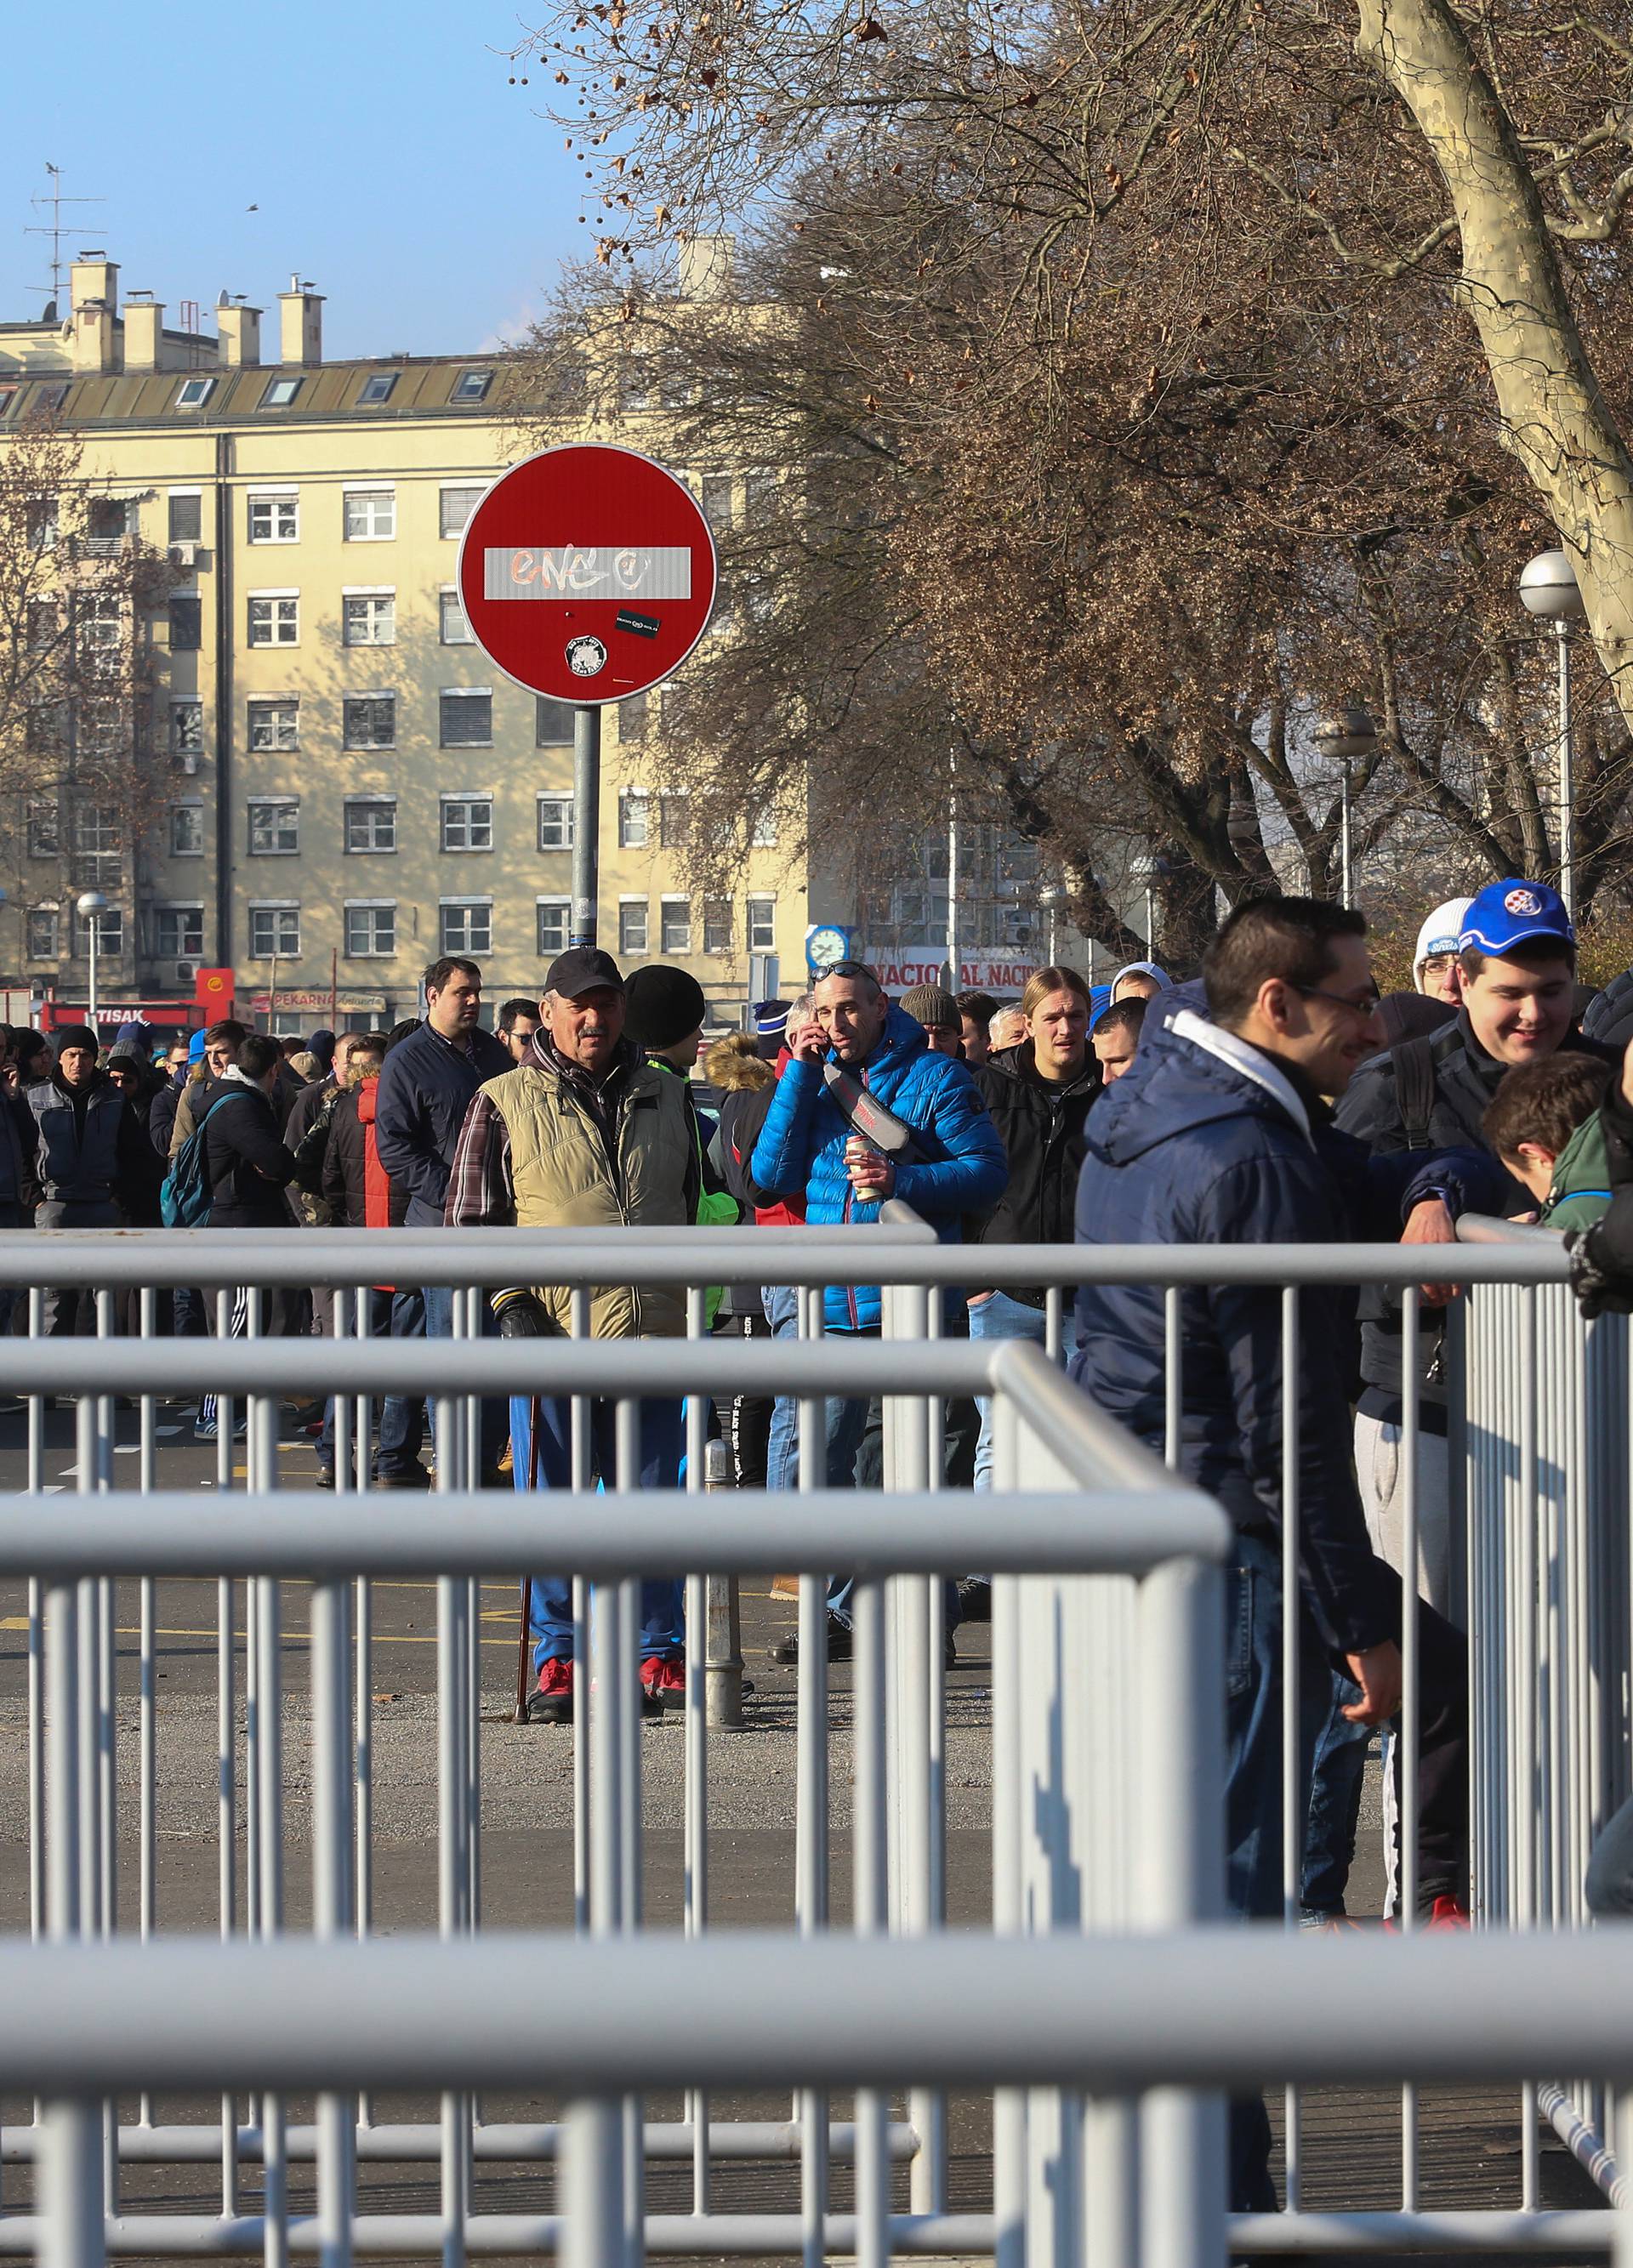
(585, 1133)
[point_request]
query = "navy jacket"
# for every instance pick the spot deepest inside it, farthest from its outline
(1188, 1149)
(425, 1088)
(249, 1166)
(801, 1149)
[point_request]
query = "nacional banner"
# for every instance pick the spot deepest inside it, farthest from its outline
(975, 974)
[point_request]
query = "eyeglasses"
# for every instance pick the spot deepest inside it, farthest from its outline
(1367, 1005)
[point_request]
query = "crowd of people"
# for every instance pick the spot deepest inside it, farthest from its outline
(1271, 1098)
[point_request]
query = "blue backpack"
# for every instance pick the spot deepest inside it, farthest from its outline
(186, 1194)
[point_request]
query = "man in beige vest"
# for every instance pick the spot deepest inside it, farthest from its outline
(584, 1134)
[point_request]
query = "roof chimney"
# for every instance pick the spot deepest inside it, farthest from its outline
(239, 335)
(706, 264)
(301, 324)
(144, 329)
(94, 301)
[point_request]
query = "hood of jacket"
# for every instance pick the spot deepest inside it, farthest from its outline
(1187, 1074)
(367, 1093)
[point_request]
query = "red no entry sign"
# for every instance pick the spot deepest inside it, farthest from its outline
(587, 572)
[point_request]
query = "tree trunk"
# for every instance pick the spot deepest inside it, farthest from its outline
(1556, 421)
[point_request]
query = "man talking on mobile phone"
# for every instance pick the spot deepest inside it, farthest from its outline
(865, 1111)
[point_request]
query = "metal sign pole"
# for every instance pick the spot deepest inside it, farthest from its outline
(585, 823)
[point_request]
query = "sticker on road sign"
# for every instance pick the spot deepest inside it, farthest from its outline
(588, 573)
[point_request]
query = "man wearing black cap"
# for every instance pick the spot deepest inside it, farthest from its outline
(87, 1158)
(585, 1134)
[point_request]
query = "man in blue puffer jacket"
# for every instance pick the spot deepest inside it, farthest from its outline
(801, 1151)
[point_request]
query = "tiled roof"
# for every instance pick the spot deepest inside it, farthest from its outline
(424, 387)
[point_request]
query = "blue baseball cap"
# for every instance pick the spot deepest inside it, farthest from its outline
(1506, 915)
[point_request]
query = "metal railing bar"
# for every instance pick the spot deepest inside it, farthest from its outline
(1208, 2008)
(307, 1532)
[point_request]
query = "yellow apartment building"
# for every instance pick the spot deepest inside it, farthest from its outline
(341, 786)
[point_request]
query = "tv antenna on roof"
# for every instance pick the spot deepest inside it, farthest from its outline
(52, 201)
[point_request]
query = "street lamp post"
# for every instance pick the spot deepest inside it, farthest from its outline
(1347, 735)
(1050, 898)
(1548, 588)
(92, 905)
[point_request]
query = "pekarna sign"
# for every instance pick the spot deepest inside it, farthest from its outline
(588, 573)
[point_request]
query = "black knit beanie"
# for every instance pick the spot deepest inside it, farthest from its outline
(664, 1005)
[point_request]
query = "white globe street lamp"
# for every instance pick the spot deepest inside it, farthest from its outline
(1050, 898)
(1548, 589)
(1346, 735)
(92, 905)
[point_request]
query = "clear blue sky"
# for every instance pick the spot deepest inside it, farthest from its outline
(390, 161)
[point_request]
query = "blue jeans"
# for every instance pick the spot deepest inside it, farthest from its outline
(1340, 1764)
(550, 1597)
(398, 1315)
(439, 1298)
(1000, 1317)
(781, 1303)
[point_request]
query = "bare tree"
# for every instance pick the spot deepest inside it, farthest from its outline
(78, 589)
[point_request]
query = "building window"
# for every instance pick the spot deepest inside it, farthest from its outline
(39, 523)
(717, 499)
(107, 523)
(717, 924)
(369, 720)
(552, 723)
(675, 926)
(456, 506)
(45, 832)
(763, 832)
(186, 830)
(370, 515)
(471, 386)
(275, 828)
(632, 926)
(274, 518)
(100, 622)
(634, 821)
(555, 822)
(274, 725)
(465, 719)
(638, 383)
(674, 821)
(762, 924)
(101, 725)
(467, 822)
(632, 719)
(466, 926)
(274, 619)
(187, 728)
(454, 630)
(377, 388)
(552, 913)
(371, 931)
(187, 623)
(186, 516)
(99, 843)
(178, 932)
(42, 933)
(275, 932)
(40, 625)
(192, 393)
(371, 825)
(370, 618)
(280, 393)
(110, 935)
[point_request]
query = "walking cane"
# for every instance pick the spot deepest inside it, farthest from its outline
(523, 1656)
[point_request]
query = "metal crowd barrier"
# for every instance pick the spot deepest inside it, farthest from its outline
(1066, 1651)
(1112, 2020)
(1080, 1498)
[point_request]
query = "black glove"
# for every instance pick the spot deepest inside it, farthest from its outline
(1601, 1264)
(521, 1315)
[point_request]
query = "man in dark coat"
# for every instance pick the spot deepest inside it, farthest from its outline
(1219, 1135)
(85, 1155)
(248, 1168)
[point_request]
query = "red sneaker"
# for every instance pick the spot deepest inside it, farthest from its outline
(550, 1701)
(662, 1683)
(1446, 1913)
